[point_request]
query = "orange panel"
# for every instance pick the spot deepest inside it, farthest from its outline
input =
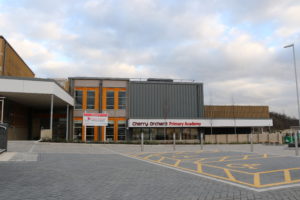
(116, 99)
(116, 130)
(95, 133)
(104, 99)
(83, 134)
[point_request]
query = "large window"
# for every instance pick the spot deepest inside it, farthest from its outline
(110, 99)
(78, 99)
(90, 99)
(110, 130)
(89, 133)
(77, 131)
(122, 100)
(121, 130)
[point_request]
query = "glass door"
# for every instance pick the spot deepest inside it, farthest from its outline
(1, 110)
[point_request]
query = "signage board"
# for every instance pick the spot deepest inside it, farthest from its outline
(164, 123)
(199, 123)
(95, 119)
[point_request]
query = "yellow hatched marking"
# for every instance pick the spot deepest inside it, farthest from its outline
(230, 176)
(287, 175)
(161, 159)
(265, 155)
(177, 163)
(149, 156)
(256, 180)
(245, 157)
(223, 158)
(250, 158)
(199, 168)
(233, 170)
(279, 170)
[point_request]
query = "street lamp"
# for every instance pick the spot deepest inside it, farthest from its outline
(296, 136)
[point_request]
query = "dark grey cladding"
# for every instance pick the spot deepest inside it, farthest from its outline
(165, 100)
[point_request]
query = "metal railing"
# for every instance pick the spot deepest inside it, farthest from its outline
(3, 137)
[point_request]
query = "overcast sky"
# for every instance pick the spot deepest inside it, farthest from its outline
(233, 47)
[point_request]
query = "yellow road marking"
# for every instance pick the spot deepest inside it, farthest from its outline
(199, 168)
(265, 155)
(234, 170)
(161, 159)
(287, 175)
(177, 163)
(245, 157)
(256, 176)
(250, 158)
(256, 180)
(230, 176)
(279, 170)
(223, 158)
(242, 166)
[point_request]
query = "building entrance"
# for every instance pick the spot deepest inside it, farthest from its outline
(1, 109)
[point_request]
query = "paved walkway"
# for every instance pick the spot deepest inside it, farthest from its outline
(90, 171)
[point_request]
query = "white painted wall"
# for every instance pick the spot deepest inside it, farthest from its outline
(35, 87)
(205, 122)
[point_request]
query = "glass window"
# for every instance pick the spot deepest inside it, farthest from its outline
(121, 130)
(110, 99)
(122, 100)
(110, 130)
(89, 133)
(90, 99)
(78, 99)
(77, 131)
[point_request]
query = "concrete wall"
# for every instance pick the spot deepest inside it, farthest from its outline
(86, 83)
(159, 100)
(114, 84)
(245, 138)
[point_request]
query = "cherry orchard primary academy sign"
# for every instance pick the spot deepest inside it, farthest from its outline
(95, 119)
(164, 123)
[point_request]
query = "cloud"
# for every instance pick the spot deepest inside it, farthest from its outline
(234, 47)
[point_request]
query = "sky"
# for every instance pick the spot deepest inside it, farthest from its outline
(234, 47)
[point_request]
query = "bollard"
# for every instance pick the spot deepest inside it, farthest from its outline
(296, 144)
(174, 141)
(142, 141)
(201, 137)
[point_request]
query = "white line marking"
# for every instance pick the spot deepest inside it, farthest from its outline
(33, 146)
(6, 156)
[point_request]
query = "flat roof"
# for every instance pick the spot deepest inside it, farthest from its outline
(34, 92)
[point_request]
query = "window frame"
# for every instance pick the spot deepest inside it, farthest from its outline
(87, 100)
(113, 98)
(122, 106)
(82, 94)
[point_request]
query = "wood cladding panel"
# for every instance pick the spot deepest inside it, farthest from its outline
(14, 65)
(246, 112)
(1, 55)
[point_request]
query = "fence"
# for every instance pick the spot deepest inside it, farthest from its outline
(245, 138)
(3, 137)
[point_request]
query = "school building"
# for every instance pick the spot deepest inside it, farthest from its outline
(156, 107)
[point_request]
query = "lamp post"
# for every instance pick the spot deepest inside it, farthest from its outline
(296, 136)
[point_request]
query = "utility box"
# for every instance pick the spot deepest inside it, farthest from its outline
(3, 137)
